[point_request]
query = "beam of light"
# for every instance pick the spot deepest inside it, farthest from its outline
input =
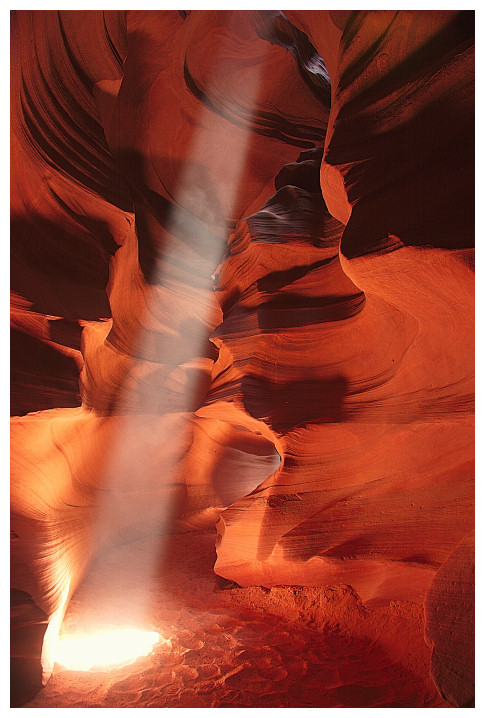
(104, 650)
(130, 500)
(51, 637)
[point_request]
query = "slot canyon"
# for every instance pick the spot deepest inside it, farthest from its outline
(242, 358)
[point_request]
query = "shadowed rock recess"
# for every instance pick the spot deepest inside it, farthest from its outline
(242, 354)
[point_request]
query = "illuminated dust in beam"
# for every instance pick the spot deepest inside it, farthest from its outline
(141, 482)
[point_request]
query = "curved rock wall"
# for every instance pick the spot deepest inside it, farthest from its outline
(244, 276)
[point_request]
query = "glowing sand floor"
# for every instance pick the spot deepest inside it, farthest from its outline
(238, 647)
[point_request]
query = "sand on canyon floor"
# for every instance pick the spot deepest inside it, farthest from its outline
(233, 647)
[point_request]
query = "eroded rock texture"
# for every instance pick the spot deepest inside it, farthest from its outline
(242, 295)
(449, 612)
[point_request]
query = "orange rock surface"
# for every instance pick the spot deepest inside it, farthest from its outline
(243, 307)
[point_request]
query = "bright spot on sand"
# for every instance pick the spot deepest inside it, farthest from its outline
(116, 648)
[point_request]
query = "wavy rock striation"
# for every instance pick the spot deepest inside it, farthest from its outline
(352, 501)
(242, 292)
(117, 228)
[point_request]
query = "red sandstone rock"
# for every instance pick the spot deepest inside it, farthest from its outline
(450, 625)
(353, 498)
(147, 147)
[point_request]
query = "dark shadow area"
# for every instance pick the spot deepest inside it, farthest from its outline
(65, 332)
(293, 310)
(457, 34)
(413, 183)
(274, 281)
(62, 273)
(40, 376)
(418, 176)
(27, 627)
(284, 405)
(304, 173)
